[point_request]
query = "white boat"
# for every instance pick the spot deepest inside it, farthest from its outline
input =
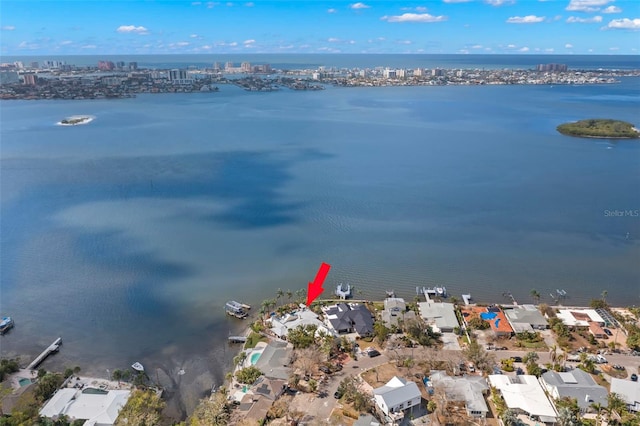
(6, 324)
(137, 366)
(343, 292)
(441, 291)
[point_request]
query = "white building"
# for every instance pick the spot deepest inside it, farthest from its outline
(97, 409)
(468, 389)
(579, 317)
(440, 315)
(525, 318)
(280, 326)
(629, 391)
(524, 395)
(397, 396)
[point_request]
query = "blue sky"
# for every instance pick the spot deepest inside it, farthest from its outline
(54, 27)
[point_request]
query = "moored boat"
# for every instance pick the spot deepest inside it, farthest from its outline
(235, 309)
(6, 324)
(138, 367)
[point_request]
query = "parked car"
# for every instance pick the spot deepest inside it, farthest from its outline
(634, 377)
(618, 367)
(337, 395)
(373, 353)
(516, 358)
(608, 332)
(324, 369)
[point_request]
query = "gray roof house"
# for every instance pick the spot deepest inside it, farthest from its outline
(629, 391)
(274, 360)
(397, 396)
(467, 389)
(525, 318)
(439, 314)
(395, 309)
(575, 384)
(349, 318)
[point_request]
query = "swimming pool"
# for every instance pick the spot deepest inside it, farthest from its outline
(488, 315)
(24, 382)
(254, 357)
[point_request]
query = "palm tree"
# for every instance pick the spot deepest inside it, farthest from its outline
(300, 295)
(598, 407)
(552, 353)
(616, 404)
(289, 295)
(604, 296)
(279, 294)
(264, 307)
(536, 296)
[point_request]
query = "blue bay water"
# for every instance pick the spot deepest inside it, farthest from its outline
(127, 235)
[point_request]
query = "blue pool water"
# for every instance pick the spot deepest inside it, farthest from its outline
(254, 357)
(24, 382)
(488, 315)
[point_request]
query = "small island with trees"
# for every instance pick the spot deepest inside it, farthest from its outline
(600, 128)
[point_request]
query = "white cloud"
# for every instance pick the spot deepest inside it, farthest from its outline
(421, 9)
(233, 44)
(624, 24)
(132, 29)
(194, 36)
(333, 40)
(7, 28)
(403, 42)
(89, 46)
(586, 5)
(463, 51)
(568, 46)
(611, 9)
(359, 5)
(196, 3)
(523, 49)
(179, 44)
(229, 4)
(549, 50)
(250, 4)
(65, 42)
(332, 10)
(499, 2)
(614, 48)
(511, 46)
(414, 17)
(529, 19)
(574, 19)
(250, 41)
(476, 46)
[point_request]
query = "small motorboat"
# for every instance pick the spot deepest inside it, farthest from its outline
(138, 367)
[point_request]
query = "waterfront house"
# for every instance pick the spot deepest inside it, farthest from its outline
(576, 384)
(525, 318)
(346, 318)
(280, 326)
(493, 315)
(579, 318)
(397, 396)
(468, 391)
(440, 316)
(395, 310)
(95, 406)
(525, 395)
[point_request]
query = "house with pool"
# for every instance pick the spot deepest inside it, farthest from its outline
(280, 325)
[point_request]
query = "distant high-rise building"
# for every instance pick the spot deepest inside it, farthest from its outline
(133, 66)
(389, 73)
(106, 66)
(228, 66)
(418, 72)
(551, 67)
(35, 65)
(177, 75)
(120, 65)
(245, 67)
(29, 79)
(437, 72)
(216, 66)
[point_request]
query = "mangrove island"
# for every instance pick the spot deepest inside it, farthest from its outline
(600, 128)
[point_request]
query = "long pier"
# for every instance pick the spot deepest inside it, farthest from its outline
(51, 349)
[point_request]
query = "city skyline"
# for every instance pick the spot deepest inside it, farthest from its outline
(442, 26)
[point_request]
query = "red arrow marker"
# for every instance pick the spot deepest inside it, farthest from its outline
(315, 289)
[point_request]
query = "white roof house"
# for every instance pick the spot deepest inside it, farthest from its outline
(280, 326)
(95, 409)
(468, 389)
(576, 384)
(440, 314)
(396, 396)
(629, 391)
(524, 394)
(579, 317)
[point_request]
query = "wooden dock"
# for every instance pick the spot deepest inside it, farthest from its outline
(466, 298)
(237, 339)
(51, 349)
